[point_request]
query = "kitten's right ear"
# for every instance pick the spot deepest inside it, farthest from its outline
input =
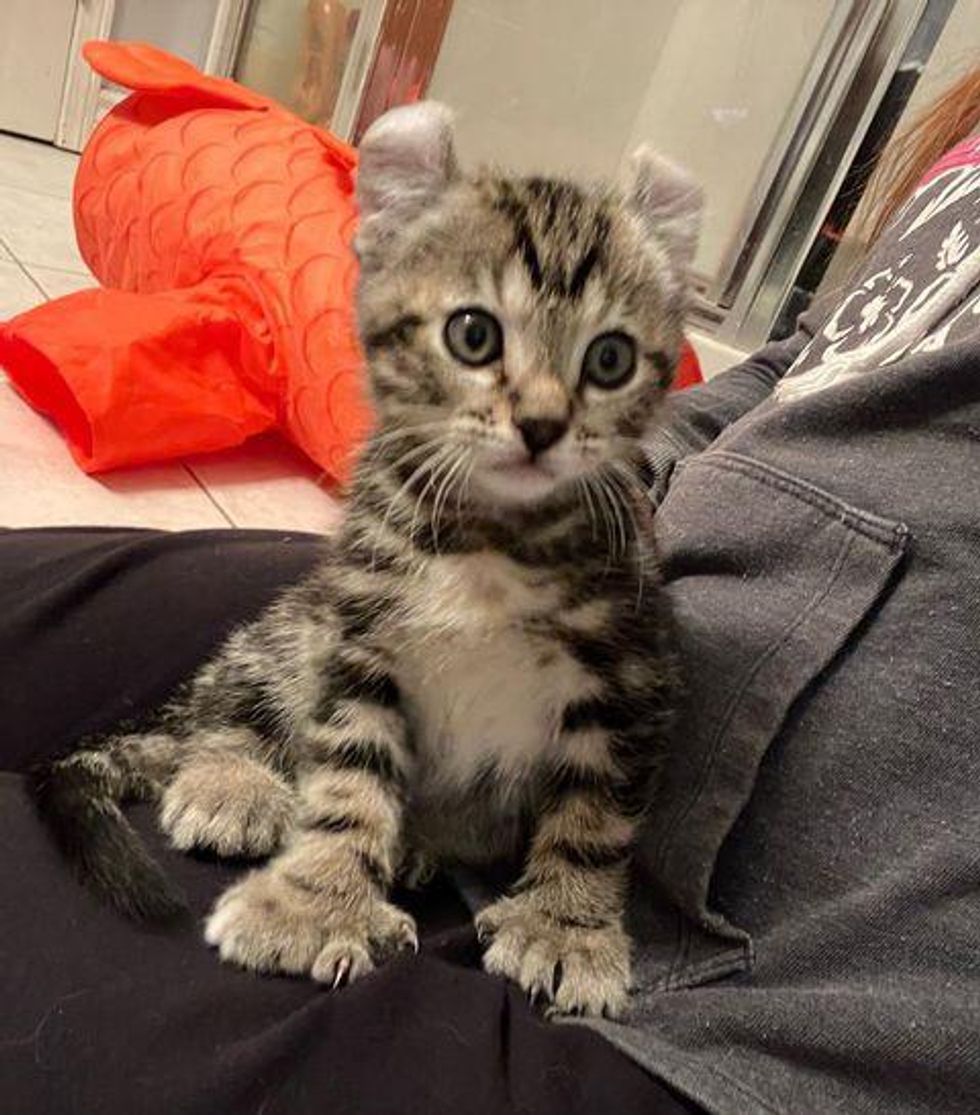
(406, 159)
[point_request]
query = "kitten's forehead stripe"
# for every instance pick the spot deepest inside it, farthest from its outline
(581, 274)
(560, 232)
(509, 203)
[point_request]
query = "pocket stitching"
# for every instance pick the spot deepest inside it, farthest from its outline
(695, 796)
(731, 961)
(872, 526)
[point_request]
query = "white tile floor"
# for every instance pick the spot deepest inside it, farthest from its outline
(265, 484)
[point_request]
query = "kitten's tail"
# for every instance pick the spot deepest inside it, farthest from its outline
(78, 798)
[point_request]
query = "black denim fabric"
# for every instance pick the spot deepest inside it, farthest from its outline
(100, 1016)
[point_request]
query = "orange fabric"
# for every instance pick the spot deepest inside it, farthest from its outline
(220, 226)
(688, 368)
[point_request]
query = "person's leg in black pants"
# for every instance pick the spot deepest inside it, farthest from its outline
(100, 1015)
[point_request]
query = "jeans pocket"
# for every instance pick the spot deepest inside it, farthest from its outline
(769, 578)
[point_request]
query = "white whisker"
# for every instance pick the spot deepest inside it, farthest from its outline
(442, 460)
(582, 484)
(436, 452)
(383, 438)
(445, 490)
(463, 488)
(625, 477)
(602, 501)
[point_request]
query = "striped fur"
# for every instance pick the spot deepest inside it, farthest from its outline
(479, 670)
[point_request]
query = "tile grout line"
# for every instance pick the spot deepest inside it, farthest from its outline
(62, 270)
(30, 278)
(200, 483)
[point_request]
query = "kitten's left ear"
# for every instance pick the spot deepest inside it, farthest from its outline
(669, 202)
(405, 160)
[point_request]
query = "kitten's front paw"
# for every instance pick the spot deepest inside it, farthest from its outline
(229, 804)
(579, 970)
(269, 923)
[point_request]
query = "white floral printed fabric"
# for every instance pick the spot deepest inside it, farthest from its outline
(919, 290)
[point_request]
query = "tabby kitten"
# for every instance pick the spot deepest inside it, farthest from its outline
(479, 669)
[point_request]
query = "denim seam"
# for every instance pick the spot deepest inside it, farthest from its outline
(678, 442)
(811, 606)
(872, 526)
(682, 950)
(722, 964)
(743, 1089)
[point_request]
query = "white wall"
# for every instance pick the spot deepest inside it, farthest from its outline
(957, 50)
(180, 26)
(271, 57)
(34, 38)
(574, 85)
(549, 85)
(716, 100)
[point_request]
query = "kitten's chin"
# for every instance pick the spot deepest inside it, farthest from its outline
(515, 484)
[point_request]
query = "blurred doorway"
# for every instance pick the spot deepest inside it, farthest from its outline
(34, 39)
(341, 63)
(47, 91)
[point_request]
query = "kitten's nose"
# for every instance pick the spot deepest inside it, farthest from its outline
(540, 434)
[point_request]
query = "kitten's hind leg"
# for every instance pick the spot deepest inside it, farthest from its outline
(224, 800)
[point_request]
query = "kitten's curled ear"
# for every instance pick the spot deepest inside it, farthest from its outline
(669, 203)
(405, 161)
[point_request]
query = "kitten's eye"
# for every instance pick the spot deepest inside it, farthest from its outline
(610, 360)
(474, 337)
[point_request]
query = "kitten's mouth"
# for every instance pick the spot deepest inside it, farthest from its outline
(525, 468)
(515, 478)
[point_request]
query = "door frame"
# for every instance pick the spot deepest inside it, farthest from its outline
(83, 95)
(80, 92)
(391, 60)
(810, 161)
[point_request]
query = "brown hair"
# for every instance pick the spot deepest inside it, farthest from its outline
(940, 126)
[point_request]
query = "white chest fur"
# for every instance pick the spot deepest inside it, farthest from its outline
(480, 688)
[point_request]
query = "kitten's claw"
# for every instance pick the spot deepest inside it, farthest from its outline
(393, 932)
(539, 998)
(340, 963)
(579, 971)
(409, 937)
(486, 923)
(343, 967)
(269, 924)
